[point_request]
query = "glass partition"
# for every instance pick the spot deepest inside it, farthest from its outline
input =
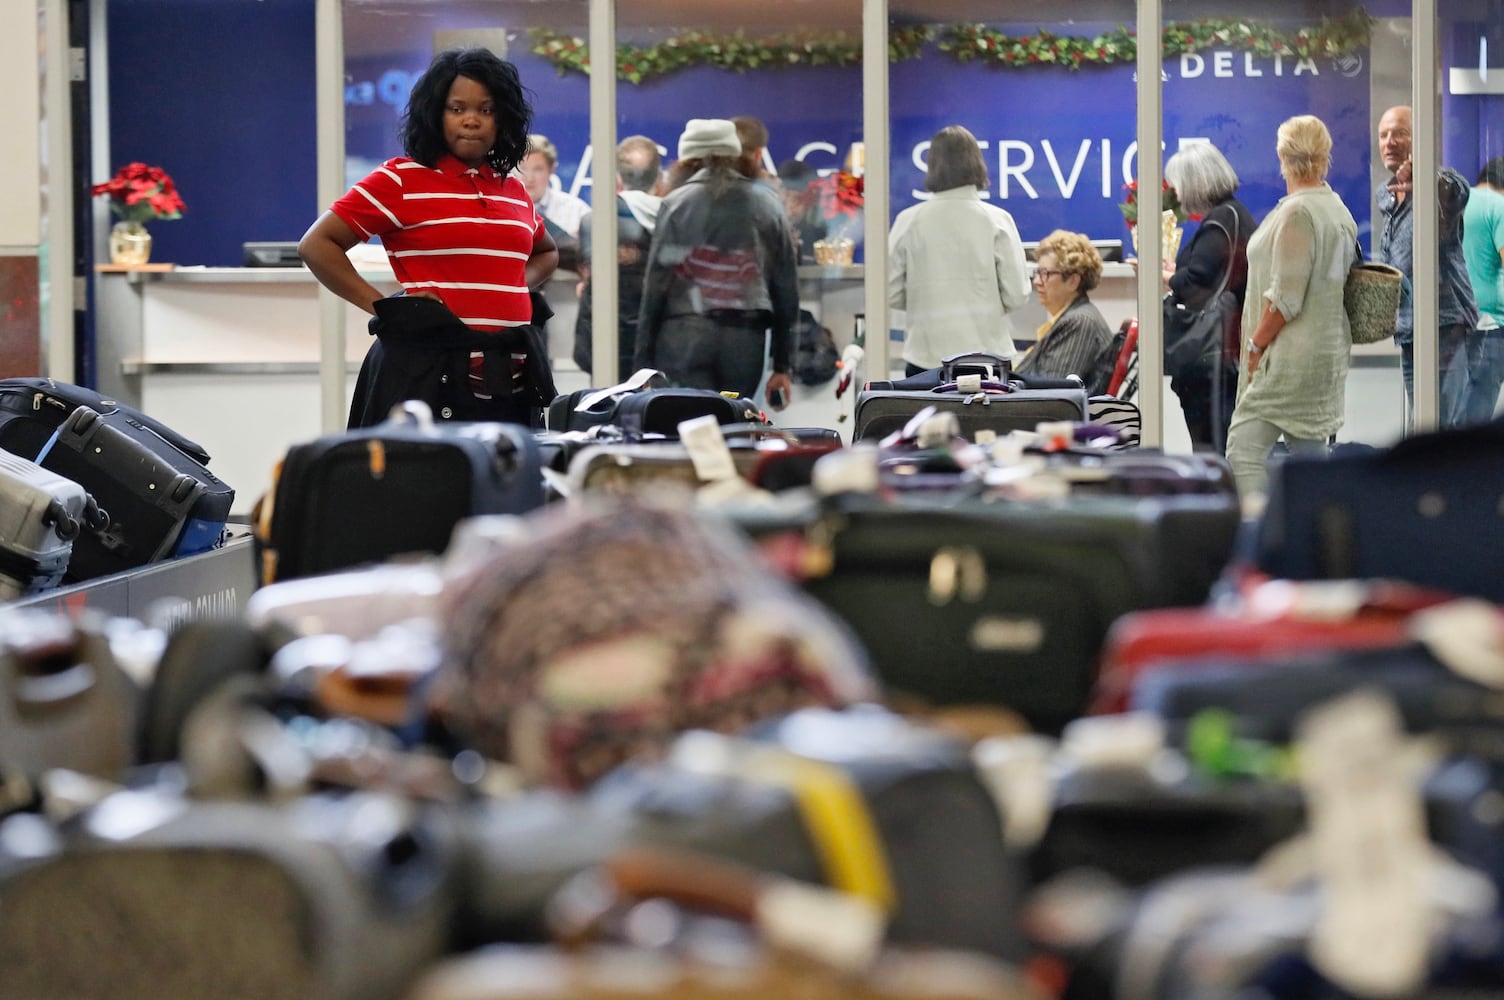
(1049, 98)
(790, 73)
(1470, 258)
(1232, 77)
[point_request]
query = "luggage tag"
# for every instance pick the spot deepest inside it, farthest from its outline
(1019, 773)
(643, 378)
(842, 930)
(1467, 636)
(702, 438)
(854, 469)
(1372, 857)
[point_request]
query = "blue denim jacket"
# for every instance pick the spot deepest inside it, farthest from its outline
(1396, 248)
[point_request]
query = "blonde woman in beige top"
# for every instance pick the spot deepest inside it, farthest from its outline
(1296, 344)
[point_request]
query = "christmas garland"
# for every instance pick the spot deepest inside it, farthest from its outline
(736, 52)
(965, 43)
(1332, 37)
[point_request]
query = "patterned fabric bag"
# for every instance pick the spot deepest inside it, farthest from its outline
(618, 624)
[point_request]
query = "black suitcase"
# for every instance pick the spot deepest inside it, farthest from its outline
(1139, 472)
(48, 402)
(1004, 603)
(41, 513)
(1265, 700)
(162, 502)
(1426, 510)
(994, 406)
(365, 495)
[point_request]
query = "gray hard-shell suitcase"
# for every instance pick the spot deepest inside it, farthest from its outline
(41, 513)
(994, 406)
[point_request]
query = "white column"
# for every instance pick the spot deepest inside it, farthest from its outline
(875, 205)
(604, 302)
(1150, 239)
(329, 98)
(57, 182)
(1426, 105)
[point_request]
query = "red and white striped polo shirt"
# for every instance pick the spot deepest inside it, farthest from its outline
(463, 232)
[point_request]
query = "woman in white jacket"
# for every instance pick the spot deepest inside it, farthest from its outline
(955, 263)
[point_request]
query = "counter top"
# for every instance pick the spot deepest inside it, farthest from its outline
(283, 275)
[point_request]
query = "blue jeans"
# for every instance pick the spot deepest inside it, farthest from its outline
(1485, 374)
(1451, 363)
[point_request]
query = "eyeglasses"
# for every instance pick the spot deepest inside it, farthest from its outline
(1042, 274)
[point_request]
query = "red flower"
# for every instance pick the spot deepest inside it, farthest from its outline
(841, 196)
(139, 192)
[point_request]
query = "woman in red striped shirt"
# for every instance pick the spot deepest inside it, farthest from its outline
(464, 240)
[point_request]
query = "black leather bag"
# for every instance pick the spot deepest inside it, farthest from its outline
(1195, 338)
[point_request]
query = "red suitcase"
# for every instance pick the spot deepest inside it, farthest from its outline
(1270, 618)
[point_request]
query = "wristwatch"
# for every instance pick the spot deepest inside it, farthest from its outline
(1254, 348)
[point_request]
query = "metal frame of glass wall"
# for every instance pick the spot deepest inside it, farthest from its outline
(875, 119)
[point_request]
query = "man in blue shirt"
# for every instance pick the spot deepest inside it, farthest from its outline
(1483, 246)
(1457, 313)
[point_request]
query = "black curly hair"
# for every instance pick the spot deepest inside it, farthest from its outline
(422, 128)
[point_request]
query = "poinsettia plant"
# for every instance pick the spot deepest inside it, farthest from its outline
(841, 196)
(1169, 201)
(139, 192)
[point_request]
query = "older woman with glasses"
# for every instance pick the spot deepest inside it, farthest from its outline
(1296, 346)
(1076, 339)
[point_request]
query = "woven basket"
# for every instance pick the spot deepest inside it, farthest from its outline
(1372, 299)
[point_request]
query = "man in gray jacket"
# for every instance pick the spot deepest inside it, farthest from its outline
(1457, 312)
(721, 274)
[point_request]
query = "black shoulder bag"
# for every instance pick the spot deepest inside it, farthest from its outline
(1194, 337)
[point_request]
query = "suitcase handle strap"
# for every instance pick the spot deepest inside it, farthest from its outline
(47, 448)
(980, 385)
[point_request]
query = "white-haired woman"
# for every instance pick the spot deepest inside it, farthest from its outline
(1296, 343)
(1207, 184)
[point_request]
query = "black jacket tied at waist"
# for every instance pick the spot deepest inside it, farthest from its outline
(422, 351)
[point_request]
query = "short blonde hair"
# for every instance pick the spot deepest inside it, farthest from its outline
(1074, 254)
(1305, 148)
(539, 144)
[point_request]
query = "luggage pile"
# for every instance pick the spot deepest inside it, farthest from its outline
(1004, 712)
(90, 487)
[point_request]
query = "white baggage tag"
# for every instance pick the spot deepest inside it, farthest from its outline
(707, 449)
(1019, 773)
(643, 378)
(842, 930)
(937, 430)
(1369, 837)
(1467, 636)
(852, 469)
(967, 384)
